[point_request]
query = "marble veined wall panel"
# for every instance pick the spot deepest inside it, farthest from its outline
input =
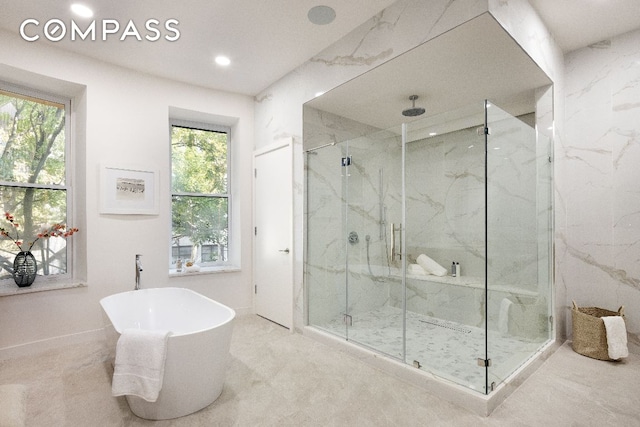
(445, 200)
(600, 257)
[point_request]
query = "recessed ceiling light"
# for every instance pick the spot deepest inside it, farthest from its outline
(81, 10)
(222, 60)
(321, 15)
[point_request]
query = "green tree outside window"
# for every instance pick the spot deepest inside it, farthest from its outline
(200, 194)
(33, 183)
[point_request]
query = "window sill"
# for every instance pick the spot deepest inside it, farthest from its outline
(9, 288)
(205, 270)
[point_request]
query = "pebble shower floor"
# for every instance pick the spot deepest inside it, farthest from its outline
(444, 348)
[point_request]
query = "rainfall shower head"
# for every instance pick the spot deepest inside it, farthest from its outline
(413, 111)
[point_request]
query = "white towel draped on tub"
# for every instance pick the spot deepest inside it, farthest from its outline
(616, 336)
(139, 365)
(430, 266)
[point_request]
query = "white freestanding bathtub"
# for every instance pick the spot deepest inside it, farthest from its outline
(197, 349)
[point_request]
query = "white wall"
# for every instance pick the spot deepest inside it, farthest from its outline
(124, 118)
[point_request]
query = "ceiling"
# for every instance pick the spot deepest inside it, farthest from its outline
(579, 23)
(264, 39)
(267, 39)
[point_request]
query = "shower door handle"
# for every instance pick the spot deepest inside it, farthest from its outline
(392, 232)
(286, 251)
(392, 235)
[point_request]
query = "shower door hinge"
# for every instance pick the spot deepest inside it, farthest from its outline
(347, 320)
(483, 130)
(255, 173)
(484, 363)
(255, 231)
(255, 289)
(346, 161)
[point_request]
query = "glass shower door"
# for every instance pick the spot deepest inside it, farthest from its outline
(445, 216)
(325, 269)
(373, 184)
(518, 241)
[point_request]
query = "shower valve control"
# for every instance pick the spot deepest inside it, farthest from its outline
(346, 161)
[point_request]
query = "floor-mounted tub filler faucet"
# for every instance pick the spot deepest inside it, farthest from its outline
(138, 270)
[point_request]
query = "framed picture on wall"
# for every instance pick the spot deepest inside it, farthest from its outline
(129, 190)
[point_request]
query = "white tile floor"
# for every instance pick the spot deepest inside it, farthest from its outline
(277, 378)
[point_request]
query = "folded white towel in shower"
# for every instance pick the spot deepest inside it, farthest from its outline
(416, 270)
(616, 336)
(139, 365)
(430, 266)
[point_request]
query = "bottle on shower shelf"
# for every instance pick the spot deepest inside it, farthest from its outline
(453, 269)
(458, 271)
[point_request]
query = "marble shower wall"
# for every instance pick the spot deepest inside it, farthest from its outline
(598, 250)
(445, 182)
(347, 201)
(446, 220)
(445, 200)
(326, 246)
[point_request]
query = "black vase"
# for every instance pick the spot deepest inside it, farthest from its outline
(24, 269)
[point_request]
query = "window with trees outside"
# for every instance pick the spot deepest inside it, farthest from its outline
(200, 197)
(34, 185)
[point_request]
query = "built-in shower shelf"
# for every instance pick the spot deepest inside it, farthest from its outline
(471, 282)
(395, 275)
(468, 281)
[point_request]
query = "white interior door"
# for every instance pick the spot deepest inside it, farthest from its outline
(273, 213)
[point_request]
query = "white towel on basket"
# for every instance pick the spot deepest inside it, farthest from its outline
(616, 336)
(139, 365)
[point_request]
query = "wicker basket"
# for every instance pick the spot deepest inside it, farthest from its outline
(589, 334)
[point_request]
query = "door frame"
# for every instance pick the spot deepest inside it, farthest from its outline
(277, 145)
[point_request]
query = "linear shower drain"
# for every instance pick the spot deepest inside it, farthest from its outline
(447, 325)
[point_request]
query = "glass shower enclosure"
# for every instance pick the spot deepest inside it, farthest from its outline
(430, 243)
